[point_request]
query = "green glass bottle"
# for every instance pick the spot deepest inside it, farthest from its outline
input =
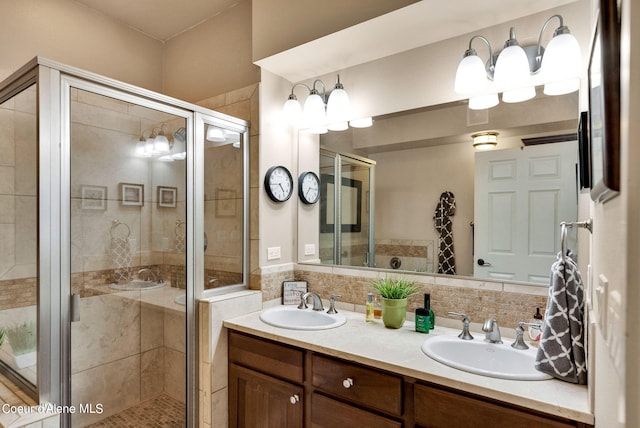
(427, 307)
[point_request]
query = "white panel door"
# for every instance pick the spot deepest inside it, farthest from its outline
(521, 196)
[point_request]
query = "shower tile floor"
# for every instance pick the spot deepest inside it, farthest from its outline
(162, 411)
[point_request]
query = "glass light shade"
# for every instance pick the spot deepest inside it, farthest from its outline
(141, 149)
(313, 110)
(512, 70)
(518, 95)
(148, 145)
(317, 130)
(161, 144)
(338, 106)
(215, 134)
(471, 76)
(481, 102)
(338, 126)
(561, 65)
(485, 140)
(363, 122)
(292, 111)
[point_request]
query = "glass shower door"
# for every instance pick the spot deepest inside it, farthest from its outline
(346, 217)
(128, 210)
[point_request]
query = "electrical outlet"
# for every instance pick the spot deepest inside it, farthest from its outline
(309, 249)
(273, 253)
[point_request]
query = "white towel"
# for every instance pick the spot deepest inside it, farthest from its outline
(561, 352)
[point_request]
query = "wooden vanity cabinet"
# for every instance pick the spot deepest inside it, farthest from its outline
(439, 408)
(265, 384)
(273, 385)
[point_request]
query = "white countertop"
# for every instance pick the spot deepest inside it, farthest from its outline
(399, 351)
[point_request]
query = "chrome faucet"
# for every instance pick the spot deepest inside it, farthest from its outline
(317, 302)
(464, 335)
(492, 331)
(519, 342)
(151, 275)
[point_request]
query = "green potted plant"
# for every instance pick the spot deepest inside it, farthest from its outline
(23, 340)
(394, 294)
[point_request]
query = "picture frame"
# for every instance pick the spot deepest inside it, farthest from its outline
(167, 196)
(292, 290)
(225, 203)
(604, 104)
(131, 194)
(93, 197)
(584, 152)
(351, 196)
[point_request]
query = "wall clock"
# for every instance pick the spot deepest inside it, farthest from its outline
(309, 187)
(278, 183)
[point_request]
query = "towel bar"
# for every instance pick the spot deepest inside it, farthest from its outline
(587, 224)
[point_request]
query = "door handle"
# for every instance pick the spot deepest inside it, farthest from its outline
(482, 262)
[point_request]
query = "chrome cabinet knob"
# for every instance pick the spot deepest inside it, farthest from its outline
(347, 383)
(294, 399)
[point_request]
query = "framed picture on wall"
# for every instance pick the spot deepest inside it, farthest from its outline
(604, 104)
(132, 194)
(351, 215)
(167, 196)
(93, 197)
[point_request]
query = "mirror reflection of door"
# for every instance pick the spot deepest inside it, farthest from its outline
(521, 196)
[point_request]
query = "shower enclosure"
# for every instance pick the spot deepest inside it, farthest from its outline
(119, 207)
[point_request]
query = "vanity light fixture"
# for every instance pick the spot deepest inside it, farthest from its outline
(159, 144)
(511, 71)
(321, 112)
(485, 140)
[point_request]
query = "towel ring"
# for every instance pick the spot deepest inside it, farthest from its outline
(115, 224)
(588, 224)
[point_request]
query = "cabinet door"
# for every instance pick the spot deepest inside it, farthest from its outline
(328, 413)
(435, 408)
(260, 401)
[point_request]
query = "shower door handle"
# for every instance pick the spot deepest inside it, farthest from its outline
(75, 307)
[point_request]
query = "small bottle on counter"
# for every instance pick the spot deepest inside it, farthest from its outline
(536, 332)
(427, 306)
(377, 308)
(423, 321)
(369, 314)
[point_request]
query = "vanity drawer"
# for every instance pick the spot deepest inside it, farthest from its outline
(358, 384)
(266, 356)
(436, 408)
(326, 412)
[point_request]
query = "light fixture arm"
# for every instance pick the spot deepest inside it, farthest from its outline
(292, 96)
(315, 91)
(562, 29)
(491, 64)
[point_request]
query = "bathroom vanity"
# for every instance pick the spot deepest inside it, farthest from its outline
(363, 374)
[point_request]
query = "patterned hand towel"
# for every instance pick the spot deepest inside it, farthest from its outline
(561, 352)
(444, 225)
(121, 255)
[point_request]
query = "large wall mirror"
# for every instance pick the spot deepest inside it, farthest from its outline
(423, 154)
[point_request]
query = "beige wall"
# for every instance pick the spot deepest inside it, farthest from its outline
(67, 32)
(282, 24)
(212, 58)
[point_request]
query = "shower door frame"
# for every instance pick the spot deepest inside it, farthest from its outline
(54, 81)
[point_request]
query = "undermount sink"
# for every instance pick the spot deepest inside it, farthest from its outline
(484, 358)
(137, 284)
(292, 318)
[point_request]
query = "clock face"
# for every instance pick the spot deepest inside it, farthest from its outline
(309, 187)
(278, 183)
